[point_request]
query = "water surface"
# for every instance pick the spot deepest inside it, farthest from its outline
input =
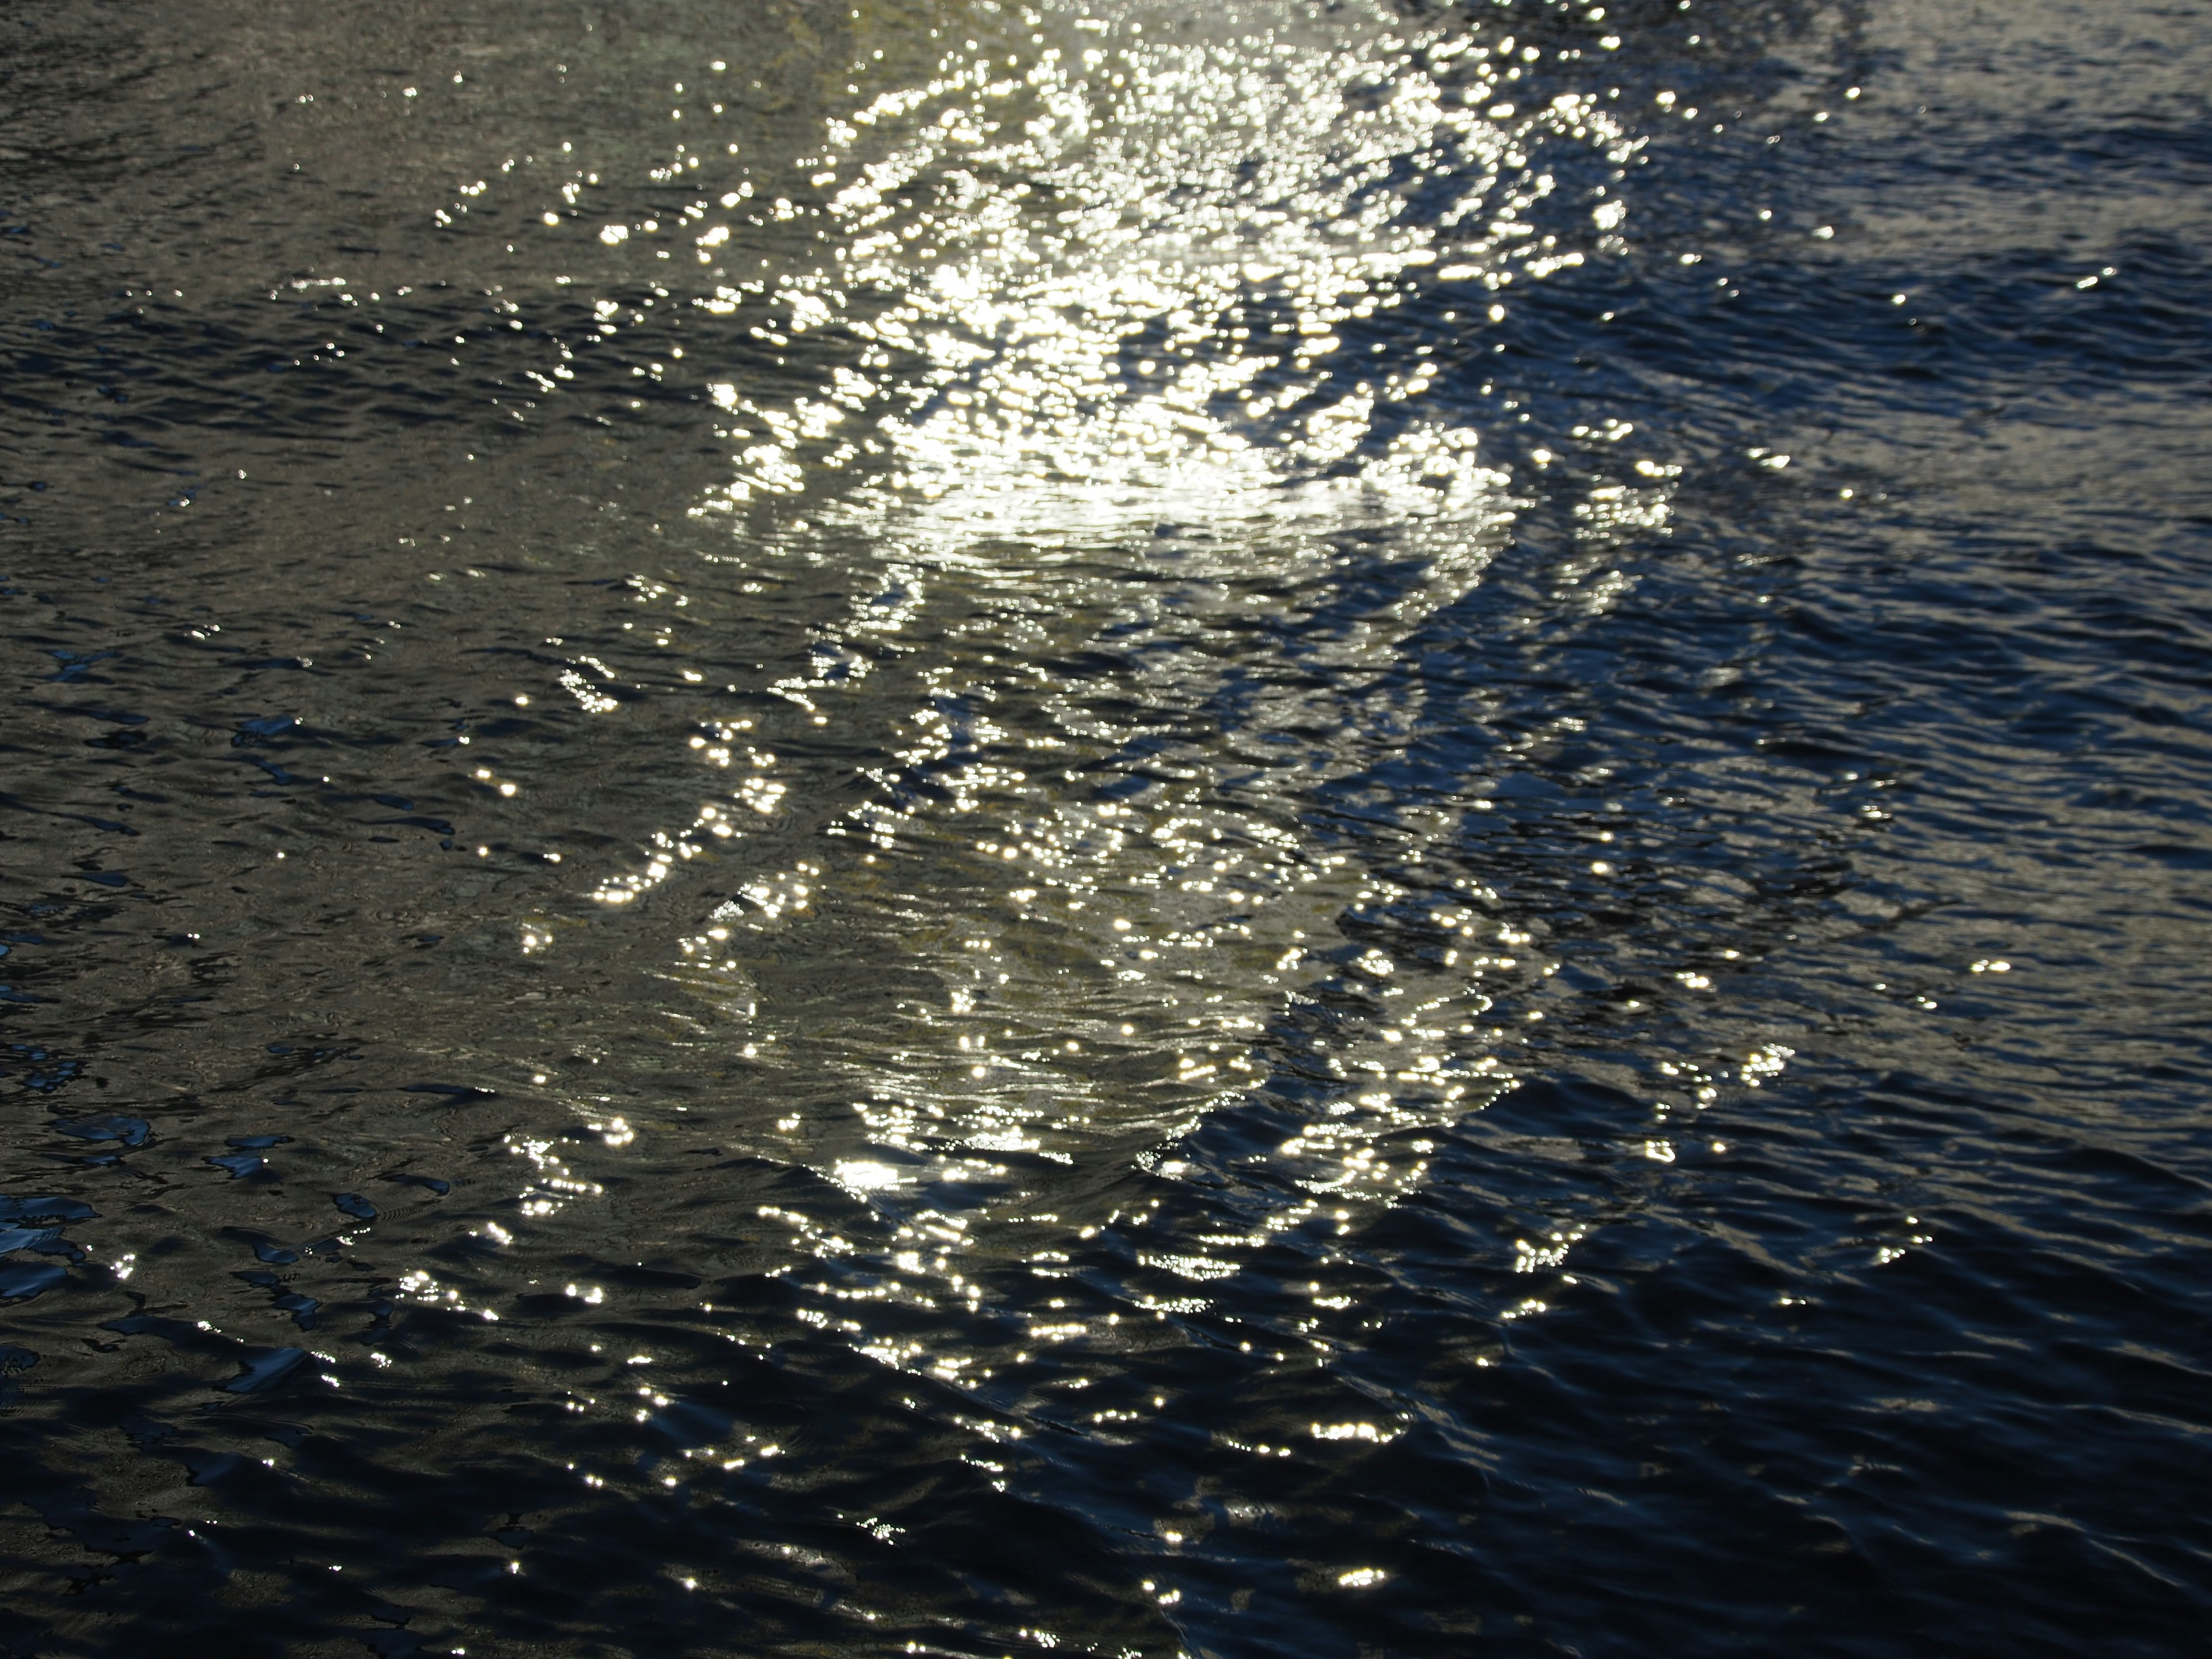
(1347, 829)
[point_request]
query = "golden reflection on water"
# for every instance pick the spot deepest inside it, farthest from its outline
(1093, 450)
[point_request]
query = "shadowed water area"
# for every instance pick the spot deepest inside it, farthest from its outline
(1372, 829)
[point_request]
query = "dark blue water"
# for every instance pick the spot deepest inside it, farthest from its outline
(1330, 830)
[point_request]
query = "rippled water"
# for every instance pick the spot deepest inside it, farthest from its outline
(1347, 829)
